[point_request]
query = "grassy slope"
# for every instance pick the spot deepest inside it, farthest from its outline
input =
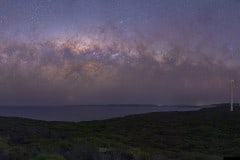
(214, 132)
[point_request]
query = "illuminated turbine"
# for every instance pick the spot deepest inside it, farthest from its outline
(231, 94)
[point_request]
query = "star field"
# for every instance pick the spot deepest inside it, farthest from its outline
(112, 51)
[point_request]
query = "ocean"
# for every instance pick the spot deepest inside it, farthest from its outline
(84, 113)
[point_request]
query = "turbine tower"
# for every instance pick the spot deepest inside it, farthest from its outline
(231, 94)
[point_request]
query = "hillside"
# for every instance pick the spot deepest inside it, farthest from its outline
(210, 133)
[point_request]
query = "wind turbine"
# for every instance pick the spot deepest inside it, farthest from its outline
(231, 94)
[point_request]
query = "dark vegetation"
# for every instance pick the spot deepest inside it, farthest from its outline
(205, 134)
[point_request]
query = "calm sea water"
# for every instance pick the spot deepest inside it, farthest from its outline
(83, 113)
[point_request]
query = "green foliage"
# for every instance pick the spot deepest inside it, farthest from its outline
(3, 144)
(49, 157)
(203, 134)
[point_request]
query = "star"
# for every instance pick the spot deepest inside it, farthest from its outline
(121, 22)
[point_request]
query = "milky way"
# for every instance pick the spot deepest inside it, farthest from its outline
(79, 52)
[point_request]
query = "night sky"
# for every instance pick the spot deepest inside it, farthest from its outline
(118, 51)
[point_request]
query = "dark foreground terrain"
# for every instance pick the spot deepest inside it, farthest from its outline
(205, 134)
